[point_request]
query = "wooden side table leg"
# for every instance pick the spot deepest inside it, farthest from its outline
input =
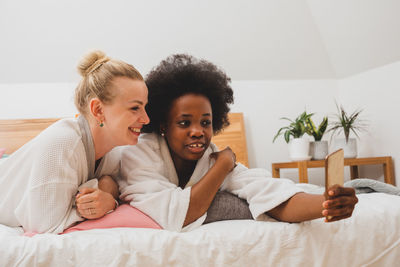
(388, 172)
(354, 172)
(275, 172)
(303, 176)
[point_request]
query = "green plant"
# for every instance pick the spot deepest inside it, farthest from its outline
(296, 128)
(347, 123)
(314, 131)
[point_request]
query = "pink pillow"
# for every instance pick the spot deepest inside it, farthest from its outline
(124, 216)
(2, 150)
(30, 234)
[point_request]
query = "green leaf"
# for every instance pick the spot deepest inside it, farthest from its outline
(346, 123)
(287, 136)
(297, 127)
(279, 133)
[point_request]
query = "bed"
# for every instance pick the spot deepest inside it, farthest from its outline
(371, 237)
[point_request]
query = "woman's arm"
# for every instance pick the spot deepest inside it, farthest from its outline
(303, 207)
(47, 208)
(203, 192)
(107, 184)
(95, 203)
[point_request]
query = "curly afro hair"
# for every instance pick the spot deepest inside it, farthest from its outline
(183, 74)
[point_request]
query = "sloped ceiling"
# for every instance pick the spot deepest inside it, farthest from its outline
(358, 34)
(42, 41)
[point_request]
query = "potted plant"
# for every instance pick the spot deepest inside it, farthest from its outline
(298, 146)
(347, 123)
(318, 148)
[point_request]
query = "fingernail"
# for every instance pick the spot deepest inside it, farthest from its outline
(325, 204)
(331, 193)
(324, 212)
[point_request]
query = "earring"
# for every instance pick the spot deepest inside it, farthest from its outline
(101, 124)
(162, 131)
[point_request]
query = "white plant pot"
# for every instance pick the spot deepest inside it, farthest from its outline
(349, 148)
(319, 149)
(299, 149)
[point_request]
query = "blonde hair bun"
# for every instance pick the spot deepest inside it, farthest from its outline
(98, 72)
(92, 61)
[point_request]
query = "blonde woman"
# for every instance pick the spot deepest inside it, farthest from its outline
(40, 181)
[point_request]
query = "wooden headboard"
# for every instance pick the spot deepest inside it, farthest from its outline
(234, 136)
(15, 133)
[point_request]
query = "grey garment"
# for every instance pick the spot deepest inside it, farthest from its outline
(227, 206)
(369, 185)
(87, 141)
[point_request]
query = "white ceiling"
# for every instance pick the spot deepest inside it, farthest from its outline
(42, 40)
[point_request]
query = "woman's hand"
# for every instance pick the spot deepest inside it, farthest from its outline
(339, 203)
(94, 203)
(225, 157)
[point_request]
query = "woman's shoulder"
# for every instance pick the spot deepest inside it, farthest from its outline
(148, 142)
(65, 132)
(57, 148)
(149, 139)
(61, 138)
(147, 148)
(62, 128)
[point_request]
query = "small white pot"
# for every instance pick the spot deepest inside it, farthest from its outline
(299, 149)
(349, 148)
(319, 149)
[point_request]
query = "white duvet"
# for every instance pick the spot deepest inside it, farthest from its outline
(370, 238)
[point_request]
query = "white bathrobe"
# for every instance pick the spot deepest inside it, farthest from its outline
(150, 183)
(38, 182)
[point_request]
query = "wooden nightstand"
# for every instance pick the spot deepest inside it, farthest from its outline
(302, 166)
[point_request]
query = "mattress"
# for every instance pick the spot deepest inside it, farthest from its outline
(371, 237)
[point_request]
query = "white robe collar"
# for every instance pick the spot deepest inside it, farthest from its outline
(202, 165)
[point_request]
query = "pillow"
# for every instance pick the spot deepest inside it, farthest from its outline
(124, 216)
(227, 206)
(2, 150)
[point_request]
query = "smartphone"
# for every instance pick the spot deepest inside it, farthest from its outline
(334, 170)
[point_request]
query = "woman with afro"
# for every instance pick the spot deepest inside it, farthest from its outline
(175, 172)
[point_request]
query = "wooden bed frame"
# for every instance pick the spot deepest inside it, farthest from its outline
(15, 133)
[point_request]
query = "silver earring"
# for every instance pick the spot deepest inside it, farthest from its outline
(162, 134)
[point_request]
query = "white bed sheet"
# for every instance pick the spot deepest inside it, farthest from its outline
(370, 238)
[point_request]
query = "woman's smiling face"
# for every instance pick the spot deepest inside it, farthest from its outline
(189, 127)
(126, 115)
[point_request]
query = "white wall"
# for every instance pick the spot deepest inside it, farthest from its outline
(378, 93)
(37, 100)
(264, 102)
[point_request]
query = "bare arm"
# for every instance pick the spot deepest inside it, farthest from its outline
(203, 193)
(300, 207)
(95, 203)
(303, 207)
(107, 184)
